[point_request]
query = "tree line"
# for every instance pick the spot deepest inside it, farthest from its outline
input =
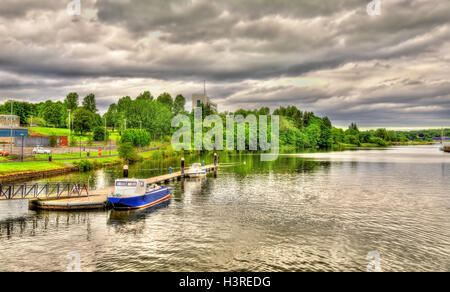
(298, 129)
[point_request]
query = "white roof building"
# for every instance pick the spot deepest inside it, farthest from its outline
(199, 99)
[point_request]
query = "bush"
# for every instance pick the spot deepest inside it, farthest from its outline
(84, 165)
(99, 134)
(137, 138)
(352, 139)
(378, 141)
(156, 155)
(128, 153)
(53, 141)
(90, 141)
(36, 121)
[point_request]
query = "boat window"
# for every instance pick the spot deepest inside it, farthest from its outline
(126, 184)
(142, 184)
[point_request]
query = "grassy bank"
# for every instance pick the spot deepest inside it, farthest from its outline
(35, 166)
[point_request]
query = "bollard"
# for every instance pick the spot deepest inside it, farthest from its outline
(50, 158)
(215, 159)
(170, 170)
(182, 165)
(125, 171)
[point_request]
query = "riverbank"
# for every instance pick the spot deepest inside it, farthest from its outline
(33, 170)
(17, 171)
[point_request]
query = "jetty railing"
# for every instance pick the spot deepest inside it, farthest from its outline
(36, 190)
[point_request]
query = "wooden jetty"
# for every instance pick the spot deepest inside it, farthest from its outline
(97, 199)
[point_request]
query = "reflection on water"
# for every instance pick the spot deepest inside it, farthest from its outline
(10, 209)
(318, 212)
(125, 217)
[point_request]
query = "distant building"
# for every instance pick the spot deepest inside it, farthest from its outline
(199, 99)
(8, 123)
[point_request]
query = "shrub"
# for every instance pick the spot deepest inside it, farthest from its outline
(128, 153)
(156, 155)
(352, 139)
(137, 138)
(84, 165)
(99, 134)
(73, 142)
(36, 121)
(378, 141)
(90, 141)
(53, 141)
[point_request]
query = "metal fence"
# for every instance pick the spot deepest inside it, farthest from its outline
(32, 141)
(46, 190)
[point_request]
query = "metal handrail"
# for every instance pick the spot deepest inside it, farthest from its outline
(36, 190)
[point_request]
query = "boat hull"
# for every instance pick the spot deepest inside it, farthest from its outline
(197, 175)
(140, 202)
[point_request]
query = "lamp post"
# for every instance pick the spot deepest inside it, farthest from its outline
(21, 157)
(70, 130)
(11, 123)
(105, 131)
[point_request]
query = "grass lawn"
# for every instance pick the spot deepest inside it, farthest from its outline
(15, 167)
(56, 132)
(49, 131)
(370, 145)
(99, 160)
(74, 155)
(65, 132)
(114, 136)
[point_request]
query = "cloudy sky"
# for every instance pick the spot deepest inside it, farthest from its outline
(326, 56)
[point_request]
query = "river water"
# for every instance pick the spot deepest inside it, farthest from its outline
(385, 209)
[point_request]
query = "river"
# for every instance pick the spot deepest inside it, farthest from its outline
(333, 211)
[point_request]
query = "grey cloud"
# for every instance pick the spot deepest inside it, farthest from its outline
(245, 49)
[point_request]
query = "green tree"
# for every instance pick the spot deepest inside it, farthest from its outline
(146, 95)
(112, 116)
(72, 100)
(128, 153)
(137, 138)
(83, 120)
(352, 130)
(166, 99)
(352, 139)
(89, 103)
(382, 133)
(179, 104)
(99, 134)
(53, 113)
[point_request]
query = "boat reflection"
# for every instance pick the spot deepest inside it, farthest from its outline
(125, 217)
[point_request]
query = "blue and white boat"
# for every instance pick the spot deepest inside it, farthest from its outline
(132, 194)
(196, 171)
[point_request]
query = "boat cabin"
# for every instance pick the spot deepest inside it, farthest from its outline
(197, 167)
(130, 187)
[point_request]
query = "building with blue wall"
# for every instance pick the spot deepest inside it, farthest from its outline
(15, 132)
(8, 122)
